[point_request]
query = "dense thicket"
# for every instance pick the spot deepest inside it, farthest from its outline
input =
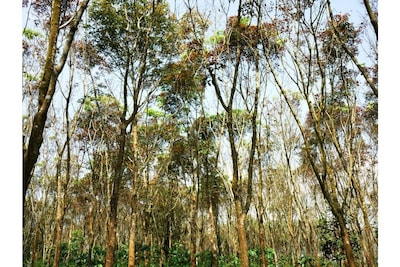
(226, 133)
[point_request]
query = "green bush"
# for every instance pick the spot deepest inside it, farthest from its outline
(229, 261)
(178, 256)
(204, 258)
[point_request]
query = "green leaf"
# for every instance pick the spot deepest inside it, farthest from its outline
(31, 34)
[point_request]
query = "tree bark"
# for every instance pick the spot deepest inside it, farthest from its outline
(372, 17)
(135, 176)
(47, 86)
(46, 93)
(34, 245)
(132, 238)
(193, 229)
(260, 212)
(346, 242)
(92, 210)
(213, 241)
(59, 216)
(243, 249)
(112, 223)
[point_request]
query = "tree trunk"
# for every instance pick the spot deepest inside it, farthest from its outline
(112, 227)
(132, 237)
(47, 87)
(315, 246)
(214, 248)
(321, 175)
(372, 17)
(346, 243)
(259, 210)
(31, 154)
(135, 176)
(59, 221)
(193, 230)
(34, 245)
(90, 220)
(339, 215)
(367, 234)
(240, 219)
(240, 214)
(112, 223)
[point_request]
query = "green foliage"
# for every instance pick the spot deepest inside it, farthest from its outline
(154, 113)
(182, 85)
(255, 257)
(91, 103)
(122, 30)
(98, 256)
(217, 38)
(30, 77)
(153, 254)
(331, 243)
(31, 34)
(229, 261)
(306, 261)
(122, 256)
(244, 21)
(73, 254)
(270, 255)
(178, 256)
(204, 258)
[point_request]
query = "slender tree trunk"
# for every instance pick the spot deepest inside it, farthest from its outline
(112, 223)
(315, 246)
(339, 215)
(260, 208)
(214, 248)
(90, 220)
(132, 237)
(215, 207)
(63, 185)
(47, 87)
(264, 262)
(367, 234)
(147, 240)
(112, 228)
(34, 245)
(240, 219)
(346, 242)
(291, 231)
(135, 171)
(237, 198)
(372, 17)
(321, 175)
(193, 229)
(31, 154)
(240, 210)
(59, 221)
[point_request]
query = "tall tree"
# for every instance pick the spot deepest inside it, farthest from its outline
(242, 42)
(128, 34)
(47, 84)
(326, 65)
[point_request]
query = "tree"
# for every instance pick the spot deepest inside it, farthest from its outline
(334, 100)
(242, 42)
(47, 83)
(127, 34)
